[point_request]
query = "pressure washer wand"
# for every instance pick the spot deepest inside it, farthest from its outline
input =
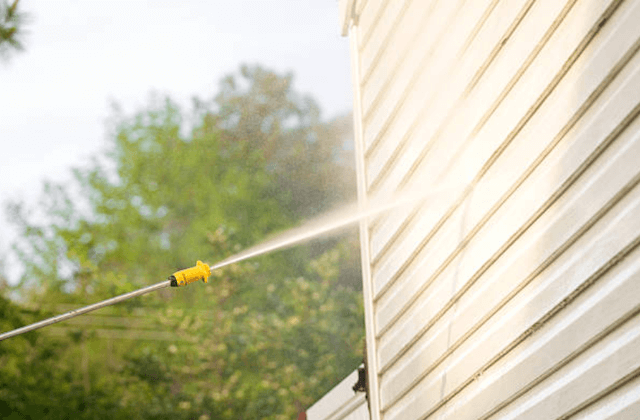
(200, 271)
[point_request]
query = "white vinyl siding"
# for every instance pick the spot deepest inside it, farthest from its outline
(516, 295)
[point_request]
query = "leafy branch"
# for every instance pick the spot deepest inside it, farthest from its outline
(12, 22)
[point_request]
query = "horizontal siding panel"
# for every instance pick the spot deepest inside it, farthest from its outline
(542, 241)
(490, 34)
(621, 404)
(434, 83)
(374, 47)
(388, 223)
(368, 19)
(376, 120)
(435, 300)
(412, 20)
(516, 294)
(442, 84)
(460, 93)
(518, 319)
(453, 137)
(598, 311)
(508, 119)
(486, 41)
(443, 241)
(601, 366)
(617, 101)
(434, 208)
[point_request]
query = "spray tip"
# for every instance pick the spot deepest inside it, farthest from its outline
(200, 271)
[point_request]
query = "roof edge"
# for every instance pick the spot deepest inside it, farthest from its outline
(346, 14)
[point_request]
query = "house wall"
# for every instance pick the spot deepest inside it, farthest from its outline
(516, 293)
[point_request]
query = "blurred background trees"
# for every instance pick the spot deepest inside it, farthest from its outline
(11, 29)
(264, 339)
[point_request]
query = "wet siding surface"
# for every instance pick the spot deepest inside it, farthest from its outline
(519, 295)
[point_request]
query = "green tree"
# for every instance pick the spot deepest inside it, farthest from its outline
(267, 337)
(39, 378)
(11, 28)
(278, 129)
(262, 121)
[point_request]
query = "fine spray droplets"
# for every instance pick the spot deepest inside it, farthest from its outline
(335, 221)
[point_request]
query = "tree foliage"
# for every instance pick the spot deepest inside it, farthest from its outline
(266, 337)
(11, 28)
(39, 375)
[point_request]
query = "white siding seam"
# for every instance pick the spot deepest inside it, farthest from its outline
(603, 334)
(581, 231)
(438, 133)
(536, 326)
(620, 404)
(406, 50)
(514, 295)
(631, 48)
(403, 142)
(382, 49)
(583, 108)
(500, 45)
(372, 365)
(376, 220)
(559, 249)
(419, 248)
(493, 158)
(478, 74)
(583, 375)
(605, 273)
(602, 275)
(512, 82)
(367, 35)
(494, 53)
(633, 313)
(360, 4)
(476, 77)
(390, 117)
(544, 207)
(604, 393)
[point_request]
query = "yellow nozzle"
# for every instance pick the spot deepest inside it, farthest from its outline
(201, 271)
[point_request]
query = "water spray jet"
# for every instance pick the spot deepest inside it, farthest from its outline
(320, 227)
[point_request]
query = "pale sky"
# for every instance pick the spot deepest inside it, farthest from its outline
(82, 54)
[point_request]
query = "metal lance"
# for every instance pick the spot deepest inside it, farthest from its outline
(200, 271)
